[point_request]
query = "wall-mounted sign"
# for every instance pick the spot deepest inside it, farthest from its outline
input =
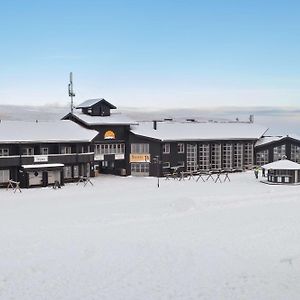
(40, 158)
(109, 135)
(139, 158)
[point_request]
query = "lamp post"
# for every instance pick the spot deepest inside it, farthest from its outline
(157, 162)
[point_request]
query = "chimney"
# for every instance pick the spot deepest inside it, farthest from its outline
(251, 118)
(154, 124)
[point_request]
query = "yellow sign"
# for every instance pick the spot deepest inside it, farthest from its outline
(134, 158)
(109, 135)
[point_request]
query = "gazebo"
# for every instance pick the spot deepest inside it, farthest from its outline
(283, 172)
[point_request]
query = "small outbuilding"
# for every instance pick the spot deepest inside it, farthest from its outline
(282, 172)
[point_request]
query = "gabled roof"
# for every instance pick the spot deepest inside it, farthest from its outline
(271, 139)
(91, 102)
(44, 132)
(283, 164)
(113, 119)
(186, 131)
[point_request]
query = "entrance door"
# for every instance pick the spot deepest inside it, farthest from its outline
(53, 176)
(140, 169)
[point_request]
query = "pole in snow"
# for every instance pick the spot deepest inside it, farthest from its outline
(71, 92)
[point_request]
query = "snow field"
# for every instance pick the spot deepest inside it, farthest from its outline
(124, 238)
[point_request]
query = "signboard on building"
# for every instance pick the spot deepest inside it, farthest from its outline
(109, 135)
(40, 158)
(135, 158)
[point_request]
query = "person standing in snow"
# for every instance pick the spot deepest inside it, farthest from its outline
(256, 171)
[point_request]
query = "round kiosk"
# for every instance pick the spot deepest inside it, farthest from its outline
(282, 172)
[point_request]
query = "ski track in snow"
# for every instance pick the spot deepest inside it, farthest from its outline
(124, 238)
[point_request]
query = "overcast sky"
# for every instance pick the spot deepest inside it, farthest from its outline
(151, 53)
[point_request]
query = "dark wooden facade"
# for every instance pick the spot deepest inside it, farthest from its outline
(78, 160)
(286, 147)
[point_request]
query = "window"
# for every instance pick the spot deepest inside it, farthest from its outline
(191, 157)
(4, 152)
(180, 148)
(140, 169)
(216, 156)
(248, 155)
(262, 157)
(278, 152)
(44, 151)
(4, 176)
(295, 153)
(66, 150)
(227, 156)
(204, 156)
(68, 172)
(166, 165)
(166, 148)
(109, 149)
(238, 156)
(140, 148)
(28, 151)
(180, 164)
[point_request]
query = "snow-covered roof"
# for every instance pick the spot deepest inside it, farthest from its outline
(270, 139)
(113, 119)
(187, 131)
(56, 131)
(283, 164)
(91, 102)
(42, 166)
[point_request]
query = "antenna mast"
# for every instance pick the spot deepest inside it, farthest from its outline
(71, 93)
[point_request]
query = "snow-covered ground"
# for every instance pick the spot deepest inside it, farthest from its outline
(124, 238)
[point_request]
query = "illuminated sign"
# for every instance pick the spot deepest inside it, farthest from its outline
(109, 135)
(139, 158)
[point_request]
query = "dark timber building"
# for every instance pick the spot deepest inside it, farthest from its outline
(103, 141)
(111, 146)
(40, 153)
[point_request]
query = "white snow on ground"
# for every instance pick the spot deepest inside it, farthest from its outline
(124, 238)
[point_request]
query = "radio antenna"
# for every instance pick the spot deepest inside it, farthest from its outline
(71, 92)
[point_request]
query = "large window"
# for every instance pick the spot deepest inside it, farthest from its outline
(227, 156)
(262, 157)
(166, 165)
(28, 151)
(248, 155)
(238, 156)
(295, 153)
(204, 160)
(4, 176)
(166, 148)
(140, 169)
(140, 148)
(279, 152)
(66, 150)
(109, 149)
(216, 156)
(191, 157)
(44, 151)
(4, 152)
(180, 148)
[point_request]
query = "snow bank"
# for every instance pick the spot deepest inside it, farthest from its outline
(124, 238)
